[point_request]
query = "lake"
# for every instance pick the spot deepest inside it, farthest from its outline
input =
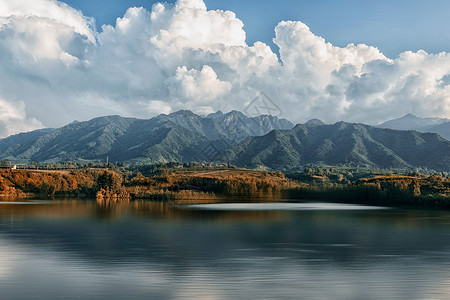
(72, 249)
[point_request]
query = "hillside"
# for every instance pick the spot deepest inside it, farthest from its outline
(342, 143)
(442, 129)
(233, 137)
(237, 126)
(440, 126)
(175, 137)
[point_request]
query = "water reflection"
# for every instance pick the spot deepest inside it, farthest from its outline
(142, 250)
(283, 206)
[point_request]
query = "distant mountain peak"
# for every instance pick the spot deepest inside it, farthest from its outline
(219, 113)
(314, 122)
(412, 122)
(409, 116)
(234, 113)
(183, 112)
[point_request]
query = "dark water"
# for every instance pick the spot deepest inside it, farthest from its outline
(143, 250)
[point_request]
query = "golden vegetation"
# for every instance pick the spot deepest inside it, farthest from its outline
(169, 184)
(215, 184)
(83, 183)
(430, 191)
(209, 184)
(19, 183)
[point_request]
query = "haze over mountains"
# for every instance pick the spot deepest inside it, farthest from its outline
(263, 141)
(440, 126)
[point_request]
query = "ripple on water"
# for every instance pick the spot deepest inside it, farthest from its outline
(30, 202)
(282, 206)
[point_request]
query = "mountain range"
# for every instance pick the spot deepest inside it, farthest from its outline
(175, 137)
(440, 126)
(342, 143)
(254, 142)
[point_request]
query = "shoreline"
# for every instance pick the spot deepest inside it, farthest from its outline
(224, 185)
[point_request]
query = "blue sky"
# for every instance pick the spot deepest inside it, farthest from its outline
(392, 26)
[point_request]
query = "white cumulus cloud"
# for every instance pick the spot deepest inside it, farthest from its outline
(184, 56)
(56, 11)
(13, 119)
(197, 89)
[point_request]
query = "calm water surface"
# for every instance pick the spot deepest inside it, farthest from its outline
(71, 249)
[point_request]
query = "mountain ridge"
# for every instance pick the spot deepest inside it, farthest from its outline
(251, 142)
(342, 143)
(440, 126)
(115, 136)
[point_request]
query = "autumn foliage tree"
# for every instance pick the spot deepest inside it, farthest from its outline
(50, 184)
(110, 185)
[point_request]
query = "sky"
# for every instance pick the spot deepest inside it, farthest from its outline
(358, 61)
(392, 26)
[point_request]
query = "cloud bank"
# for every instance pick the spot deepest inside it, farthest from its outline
(55, 67)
